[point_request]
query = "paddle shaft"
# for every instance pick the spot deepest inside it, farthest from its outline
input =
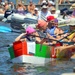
(54, 39)
(67, 35)
(4, 46)
(15, 31)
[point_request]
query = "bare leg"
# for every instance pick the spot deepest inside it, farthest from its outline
(60, 1)
(68, 1)
(40, 1)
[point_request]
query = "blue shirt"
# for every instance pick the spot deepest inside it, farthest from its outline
(51, 31)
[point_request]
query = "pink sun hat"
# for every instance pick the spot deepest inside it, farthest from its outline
(42, 23)
(30, 30)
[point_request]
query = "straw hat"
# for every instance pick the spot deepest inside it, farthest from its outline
(72, 6)
(53, 9)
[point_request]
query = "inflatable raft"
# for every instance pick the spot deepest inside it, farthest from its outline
(28, 18)
(1, 16)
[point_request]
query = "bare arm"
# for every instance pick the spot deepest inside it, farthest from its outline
(20, 36)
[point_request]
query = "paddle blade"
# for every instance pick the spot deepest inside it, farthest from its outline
(5, 29)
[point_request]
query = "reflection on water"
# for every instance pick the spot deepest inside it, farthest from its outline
(8, 68)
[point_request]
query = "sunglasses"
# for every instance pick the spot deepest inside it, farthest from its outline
(53, 11)
(52, 21)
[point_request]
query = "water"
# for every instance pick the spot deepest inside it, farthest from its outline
(9, 68)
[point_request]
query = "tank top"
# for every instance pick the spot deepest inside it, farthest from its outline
(29, 38)
(42, 34)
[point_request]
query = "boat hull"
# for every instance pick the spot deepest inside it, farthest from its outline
(31, 59)
(30, 52)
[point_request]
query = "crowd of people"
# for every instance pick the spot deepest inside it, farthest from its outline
(47, 8)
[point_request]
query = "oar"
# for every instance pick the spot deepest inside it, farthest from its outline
(54, 40)
(5, 46)
(6, 29)
(64, 32)
(70, 43)
(67, 35)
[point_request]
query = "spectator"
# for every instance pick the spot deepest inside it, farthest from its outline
(1, 10)
(31, 7)
(73, 7)
(61, 1)
(43, 13)
(7, 11)
(53, 10)
(0, 1)
(36, 12)
(20, 8)
(50, 5)
(42, 2)
(11, 5)
(2, 7)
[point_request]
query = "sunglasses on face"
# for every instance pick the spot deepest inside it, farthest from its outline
(44, 4)
(52, 21)
(53, 11)
(56, 24)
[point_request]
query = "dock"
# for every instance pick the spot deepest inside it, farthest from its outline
(68, 74)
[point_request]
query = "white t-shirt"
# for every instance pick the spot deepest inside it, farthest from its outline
(45, 15)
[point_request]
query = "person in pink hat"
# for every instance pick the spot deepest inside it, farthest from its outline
(29, 31)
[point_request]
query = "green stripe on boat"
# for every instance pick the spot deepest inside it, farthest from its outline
(42, 51)
(11, 52)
